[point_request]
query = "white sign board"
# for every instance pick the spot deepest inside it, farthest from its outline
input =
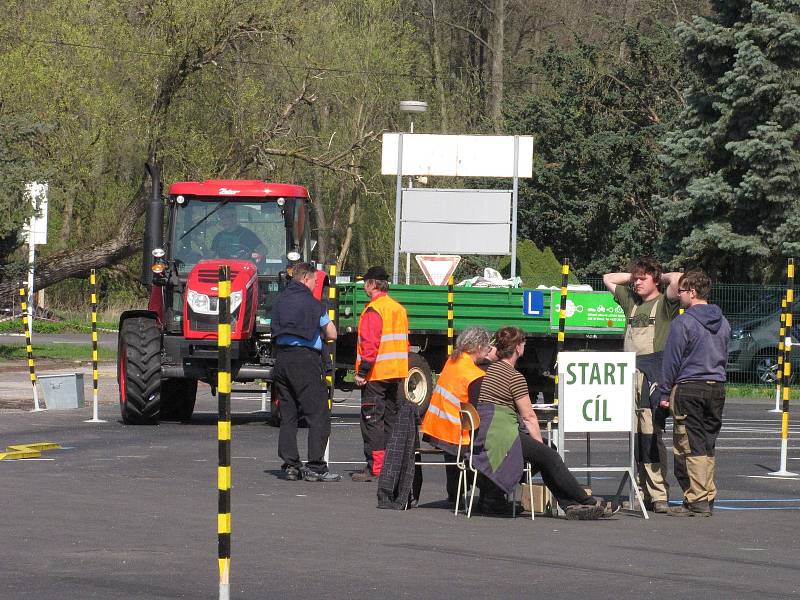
(596, 390)
(455, 221)
(37, 195)
(437, 269)
(457, 155)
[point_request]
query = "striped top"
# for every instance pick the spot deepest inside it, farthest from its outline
(503, 385)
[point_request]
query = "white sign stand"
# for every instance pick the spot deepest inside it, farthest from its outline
(36, 234)
(596, 393)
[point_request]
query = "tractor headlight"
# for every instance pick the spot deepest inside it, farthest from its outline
(236, 300)
(200, 303)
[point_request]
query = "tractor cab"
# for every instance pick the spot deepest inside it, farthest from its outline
(258, 228)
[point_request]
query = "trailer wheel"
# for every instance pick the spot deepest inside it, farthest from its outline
(418, 386)
(177, 399)
(139, 371)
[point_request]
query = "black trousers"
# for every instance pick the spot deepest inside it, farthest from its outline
(378, 416)
(298, 379)
(555, 474)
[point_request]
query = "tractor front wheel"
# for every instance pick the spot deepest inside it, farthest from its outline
(139, 371)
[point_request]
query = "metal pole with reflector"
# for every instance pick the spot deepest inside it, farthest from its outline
(23, 300)
(787, 371)
(93, 286)
(224, 432)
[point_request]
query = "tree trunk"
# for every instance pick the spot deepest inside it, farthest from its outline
(496, 43)
(78, 262)
(438, 69)
(627, 17)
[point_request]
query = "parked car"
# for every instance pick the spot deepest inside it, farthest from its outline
(753, 349)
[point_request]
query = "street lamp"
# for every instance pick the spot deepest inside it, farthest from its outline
(411, 107)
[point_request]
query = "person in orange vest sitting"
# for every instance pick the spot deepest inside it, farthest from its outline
(381, 367)
(459, 383)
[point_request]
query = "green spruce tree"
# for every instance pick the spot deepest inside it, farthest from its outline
(733, 161)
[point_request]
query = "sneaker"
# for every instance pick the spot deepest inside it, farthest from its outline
(325, 477)
(584, 512)
(660, 506)
(291, 473)
(362, 475)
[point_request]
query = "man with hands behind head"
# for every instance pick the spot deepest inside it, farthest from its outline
(648, 313)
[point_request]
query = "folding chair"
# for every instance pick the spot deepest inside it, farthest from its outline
(529, 478)
(470, 420)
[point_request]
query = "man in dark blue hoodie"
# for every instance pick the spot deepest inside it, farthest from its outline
(299, 322)
(693, 378)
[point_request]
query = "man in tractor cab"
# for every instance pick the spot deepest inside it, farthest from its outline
(235, 241)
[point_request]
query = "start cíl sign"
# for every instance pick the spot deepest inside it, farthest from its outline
(596, 390)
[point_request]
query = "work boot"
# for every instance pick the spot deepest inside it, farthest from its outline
(364, 474)
(660, 506)
(325, 477)
(584, 512)
(291, 473)
(697, 509)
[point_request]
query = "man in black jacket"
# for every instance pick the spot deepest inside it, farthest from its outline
(298, 323)
(693, 377)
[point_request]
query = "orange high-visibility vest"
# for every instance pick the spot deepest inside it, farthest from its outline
(442, 420)
(392, 359)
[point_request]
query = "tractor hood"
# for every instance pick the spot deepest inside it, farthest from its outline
(201, 299)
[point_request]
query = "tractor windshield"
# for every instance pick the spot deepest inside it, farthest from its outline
(215, 228)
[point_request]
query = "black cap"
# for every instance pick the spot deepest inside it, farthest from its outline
(378, 273)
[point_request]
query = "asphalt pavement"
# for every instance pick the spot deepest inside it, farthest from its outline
(131, 512)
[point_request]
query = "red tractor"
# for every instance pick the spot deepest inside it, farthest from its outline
(259, 229)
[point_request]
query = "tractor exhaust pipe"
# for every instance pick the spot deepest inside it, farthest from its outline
(154, 223)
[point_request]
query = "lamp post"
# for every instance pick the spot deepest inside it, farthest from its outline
(411, 107)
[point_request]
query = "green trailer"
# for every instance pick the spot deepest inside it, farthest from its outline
(594, 322)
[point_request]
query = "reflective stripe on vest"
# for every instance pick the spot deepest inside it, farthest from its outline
(392, 359)
(443, 420)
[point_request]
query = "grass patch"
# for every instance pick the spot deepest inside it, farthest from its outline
(77, 352)
(754, 390)
(39, 326)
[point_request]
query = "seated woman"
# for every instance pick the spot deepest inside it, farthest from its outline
(458, 383)
(502, 446)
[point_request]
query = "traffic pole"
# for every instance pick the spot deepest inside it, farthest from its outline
(330, 345)
(224, 432)
(23, 299)
(779, 370)
(450, 315)
(787, 372)
(93, 285)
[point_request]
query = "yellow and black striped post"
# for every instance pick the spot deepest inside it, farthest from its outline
(224, 432)
(330, 345)
(562, 317)
(93, 286)
(23, 300)
(787, 370)
(450, 316)
(779, 370)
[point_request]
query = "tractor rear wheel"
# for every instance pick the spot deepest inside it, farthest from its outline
(177, 399)
(417, 388)
(139, 371)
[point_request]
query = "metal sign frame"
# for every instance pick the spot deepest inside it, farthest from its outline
(628, 472)
(399, 201)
